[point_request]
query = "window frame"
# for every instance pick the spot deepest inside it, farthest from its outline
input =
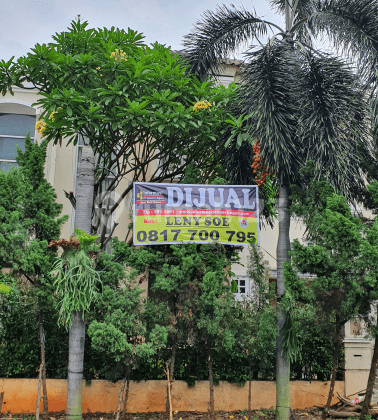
(10, 107)
(246, 295)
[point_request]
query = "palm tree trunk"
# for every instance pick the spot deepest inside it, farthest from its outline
(83, 221)
(283, 248)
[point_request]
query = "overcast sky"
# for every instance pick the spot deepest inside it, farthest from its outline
(24, 23)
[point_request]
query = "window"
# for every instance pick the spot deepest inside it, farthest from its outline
(243, 288)
(13, 130)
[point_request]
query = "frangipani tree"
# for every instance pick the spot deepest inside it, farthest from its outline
(135, 105)
(299, 102)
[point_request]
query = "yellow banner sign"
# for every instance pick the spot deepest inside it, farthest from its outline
(179, 213)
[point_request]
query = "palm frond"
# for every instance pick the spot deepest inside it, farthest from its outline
(333, 121)
(303, 31)
(269, 94)
(301, 9)
(278, 6)
(218, 35)
(353, 28)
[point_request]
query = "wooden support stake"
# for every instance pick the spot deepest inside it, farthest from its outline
(1, 399)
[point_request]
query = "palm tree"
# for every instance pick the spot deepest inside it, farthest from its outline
(301, 103)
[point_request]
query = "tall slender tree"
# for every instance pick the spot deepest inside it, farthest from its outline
(29, 220)
(301, 103)
(77, 281)
(83, 221)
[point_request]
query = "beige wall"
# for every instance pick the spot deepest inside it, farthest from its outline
(358, 355)
(60, 161)
(148, 396)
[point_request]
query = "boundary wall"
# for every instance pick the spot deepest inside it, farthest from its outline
(20, 395)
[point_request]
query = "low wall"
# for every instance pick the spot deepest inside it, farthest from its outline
(147, 396)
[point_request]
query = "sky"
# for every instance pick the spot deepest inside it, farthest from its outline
(25, 23)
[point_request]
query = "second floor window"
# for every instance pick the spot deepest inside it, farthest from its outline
(13, 130)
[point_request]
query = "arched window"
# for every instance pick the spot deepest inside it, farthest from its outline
(16, 121)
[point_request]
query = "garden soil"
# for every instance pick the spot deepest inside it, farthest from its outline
(311, 414)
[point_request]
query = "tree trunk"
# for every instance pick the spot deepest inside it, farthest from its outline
(75, 367)
(43, 361)
(283, 248)
(1, 399)
(335, 357)
(249, 390)
(371, 380)
(127, 391)
(211, 378)
(83, 221)
(84, 191)
(39, 392)
(169, 390)
(171, 372)
(121, 397)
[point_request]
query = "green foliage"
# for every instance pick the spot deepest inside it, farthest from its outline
(342, 253)
(4, 289)
(77, 284)
(291, 346)
(109, 87)
(29, 220)
(87, 242)
(77, 281)
(28, 214)
(19, 342)
(121, 325)
(314, 333)
(118, 307)
(254, 321)
(341, 256)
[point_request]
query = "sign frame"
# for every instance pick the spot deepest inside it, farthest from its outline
(165, 185)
